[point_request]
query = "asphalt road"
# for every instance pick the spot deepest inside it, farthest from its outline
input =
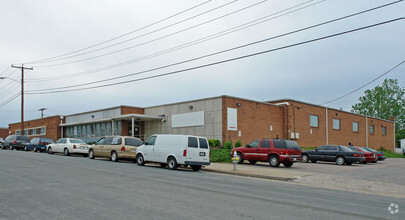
(42, 186)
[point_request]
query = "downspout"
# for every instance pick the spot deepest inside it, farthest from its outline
(326, 125)
(366, 132)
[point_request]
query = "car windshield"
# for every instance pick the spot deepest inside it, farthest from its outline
(344, 148)
(77, 141)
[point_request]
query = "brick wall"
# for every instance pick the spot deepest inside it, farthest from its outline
(51, 124)
(131, 110)
(3, 133)
(253, 119)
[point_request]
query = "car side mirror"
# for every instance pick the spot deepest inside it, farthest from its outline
(316, 149)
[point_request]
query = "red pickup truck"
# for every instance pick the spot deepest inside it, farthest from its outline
(275, 151)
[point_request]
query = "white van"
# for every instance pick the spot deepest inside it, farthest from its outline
(173, 150)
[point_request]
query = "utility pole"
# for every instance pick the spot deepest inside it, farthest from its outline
(42, 112)
(22, 94)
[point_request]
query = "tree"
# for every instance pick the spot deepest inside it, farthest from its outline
(383, 102)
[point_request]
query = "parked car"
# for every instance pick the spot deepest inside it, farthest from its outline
(38, 144)
(370, 156)
(174, 150)
(15, 142)
(337, 153)
(275, 151)
(68, 146)
(115, 147)
(380, 154)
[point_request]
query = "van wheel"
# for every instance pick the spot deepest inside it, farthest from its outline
(172, 163)
(274, 161)
(91, 154)
(139, 160)
(50, 150)
(66, 152)
(114, 156)
(196, 167)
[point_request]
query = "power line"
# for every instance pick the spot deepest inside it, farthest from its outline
(220, 34)
(198, 41)
(8, 67)
(218, 62)
(365, 84)
(120, 36)
(153, 40)
(10, 99)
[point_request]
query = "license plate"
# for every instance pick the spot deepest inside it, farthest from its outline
(202, 154)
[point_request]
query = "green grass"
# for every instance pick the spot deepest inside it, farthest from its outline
(390, 154)
(220, 155)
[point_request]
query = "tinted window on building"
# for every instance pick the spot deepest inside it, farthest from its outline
(265, 144)
(203, 143)
(133, 142)
(192, 142)
(292, 145)
(279, 144)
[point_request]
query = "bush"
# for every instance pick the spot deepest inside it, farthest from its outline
(238, 143)
(227, 145)
(214, 143)
(220, 155)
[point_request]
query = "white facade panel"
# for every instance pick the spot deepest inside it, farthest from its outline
(232, 119)
(188, 119)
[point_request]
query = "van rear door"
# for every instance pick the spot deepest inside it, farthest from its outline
(198, 150)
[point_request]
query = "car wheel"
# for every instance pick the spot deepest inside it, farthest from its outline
(274, 161)
(340, 161)
(11, 147)
(252, 161)
(35, 149)
(172, 163)
(196, 167)
(288, 163)
(66, 152)
(163, 165)
(50, 150)
(140, 160)
(114, 156)
(240, 158)
(313, 161)
(305, 158)
(91, 154)
(349, 163)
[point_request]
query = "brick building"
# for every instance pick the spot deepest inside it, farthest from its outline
(3, 133)
(224, 118)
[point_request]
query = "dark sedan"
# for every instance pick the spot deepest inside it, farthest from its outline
(38, 144)
(333, 153)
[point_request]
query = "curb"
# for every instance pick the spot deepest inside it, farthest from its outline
(251, 175)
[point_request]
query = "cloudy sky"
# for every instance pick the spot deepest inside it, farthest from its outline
(115, 45)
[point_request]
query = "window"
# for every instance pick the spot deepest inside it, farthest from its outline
(98, 130)
(89, 130)
(254, 144)
(265, 144)
(336, 124)
(203, 143)
(63, 141)
(292, 145)
(79, 131)
(133, 142)
(313, 121)
(102, 129)
(151, 140)
(75, 131)
(371, 129)
(355, 127)
(323, 147)
(18, 132)
(100, 141)
(384, 130)
(108, 128)
(279, 144)
(34, 131)
(192, 142)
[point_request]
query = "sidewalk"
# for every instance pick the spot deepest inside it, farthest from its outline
(280, 173)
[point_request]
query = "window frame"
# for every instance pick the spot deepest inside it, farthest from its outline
(317, 121)
(353, 123)
(333, 123)
(371, 129)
